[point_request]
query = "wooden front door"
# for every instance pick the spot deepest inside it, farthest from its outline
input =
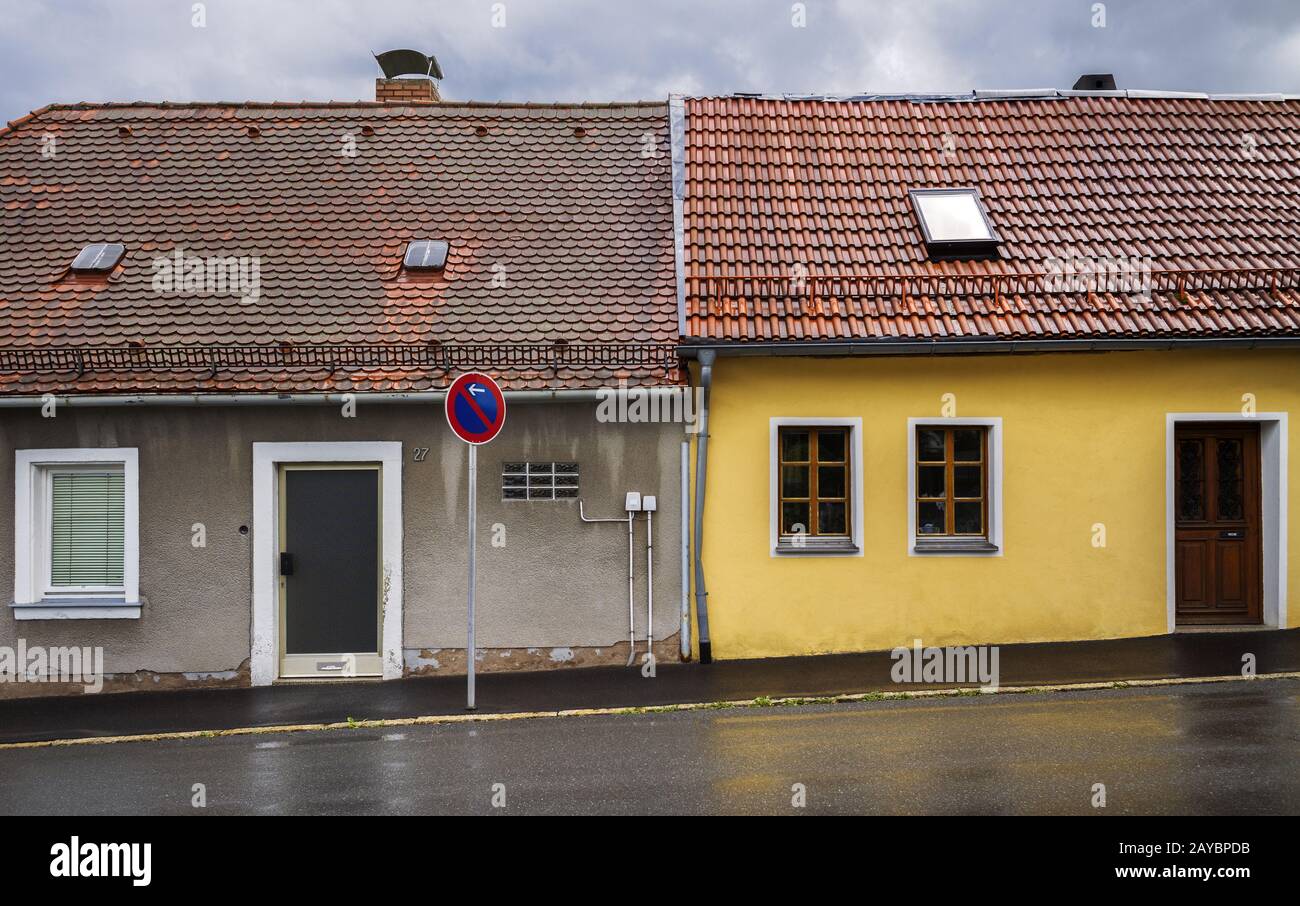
(1217, 524)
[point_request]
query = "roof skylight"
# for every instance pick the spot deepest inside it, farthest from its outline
(426, 255)
(954, 223)
(98, 258)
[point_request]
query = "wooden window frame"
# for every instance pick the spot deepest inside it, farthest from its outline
(782, 545)
(813, 463)
(950, 464)
(989, 541)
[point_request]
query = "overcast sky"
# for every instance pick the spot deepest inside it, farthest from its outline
(572, 50)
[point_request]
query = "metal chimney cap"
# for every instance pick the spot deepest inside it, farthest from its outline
(1095, 81)
(396, 63)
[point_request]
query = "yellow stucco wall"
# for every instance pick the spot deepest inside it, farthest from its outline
(1083, 443)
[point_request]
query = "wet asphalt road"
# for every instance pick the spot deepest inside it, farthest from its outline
(1208, 749)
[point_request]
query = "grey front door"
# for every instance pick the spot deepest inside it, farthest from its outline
(329, 570)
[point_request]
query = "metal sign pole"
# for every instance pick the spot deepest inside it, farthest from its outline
(476, 410)
(473, 535)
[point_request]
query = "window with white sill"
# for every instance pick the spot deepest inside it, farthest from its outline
(816, 486)
(955, 486)
(79, 555)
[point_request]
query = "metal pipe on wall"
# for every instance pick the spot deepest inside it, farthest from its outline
(631, 594)
(631, 600)
(649, 504)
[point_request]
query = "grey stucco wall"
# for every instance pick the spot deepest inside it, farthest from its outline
(556, 582)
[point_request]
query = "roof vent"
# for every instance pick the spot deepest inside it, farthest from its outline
(98, 258)
(426, 255)
(1096, 81)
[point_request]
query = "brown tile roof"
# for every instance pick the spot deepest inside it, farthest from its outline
(559, 218)
(1174, 184)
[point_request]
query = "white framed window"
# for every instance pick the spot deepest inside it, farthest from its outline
(954, 487)
(815, 487)
(76, 538)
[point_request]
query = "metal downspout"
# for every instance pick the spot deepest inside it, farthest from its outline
(706, 358)
(685, 497)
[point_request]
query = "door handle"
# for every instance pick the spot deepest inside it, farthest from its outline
(286, 564)
(1231, 536)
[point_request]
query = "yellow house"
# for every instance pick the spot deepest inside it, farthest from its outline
(989, 370)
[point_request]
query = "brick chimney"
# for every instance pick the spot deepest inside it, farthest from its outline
(406, 91)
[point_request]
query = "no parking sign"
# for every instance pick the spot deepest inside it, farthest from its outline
(475, 407)
(476, 410)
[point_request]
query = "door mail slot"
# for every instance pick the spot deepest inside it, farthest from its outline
(1232, 536)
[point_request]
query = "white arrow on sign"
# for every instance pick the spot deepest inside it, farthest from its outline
(475, 388)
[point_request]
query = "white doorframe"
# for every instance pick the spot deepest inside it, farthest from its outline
(1272, 514)
(265, 666)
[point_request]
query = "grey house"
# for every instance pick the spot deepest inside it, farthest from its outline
(225, 330)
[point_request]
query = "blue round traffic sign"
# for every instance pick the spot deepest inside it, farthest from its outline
(475, 407)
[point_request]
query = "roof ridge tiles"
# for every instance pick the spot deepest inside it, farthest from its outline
(446, 109)
(993, 95)
(296, 105)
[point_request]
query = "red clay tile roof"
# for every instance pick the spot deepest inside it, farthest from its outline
(774, 185)
(559, 218)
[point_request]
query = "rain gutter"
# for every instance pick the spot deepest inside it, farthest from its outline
(695, 349)
(286, 399)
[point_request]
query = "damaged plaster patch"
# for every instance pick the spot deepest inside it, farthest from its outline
(138, 680)
(394, 655)
(420, 658)
(216, 675)
(451, 661)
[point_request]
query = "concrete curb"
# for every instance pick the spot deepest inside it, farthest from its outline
(760, 702)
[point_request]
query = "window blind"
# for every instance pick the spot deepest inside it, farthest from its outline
(87, 528)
